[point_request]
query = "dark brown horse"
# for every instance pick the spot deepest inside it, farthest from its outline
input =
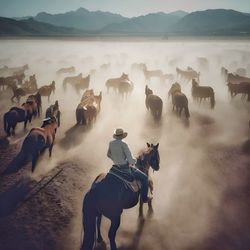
(234, 78)
(242, 88)
(108, 196)
(53, 111)
(16, 115)
(39, 139)
(17, 93)
(202, 92)
(47, 90)
(36, 103)
(153, 103)
(179, 100)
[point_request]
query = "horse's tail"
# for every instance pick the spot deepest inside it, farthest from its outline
(160, 111)
(212, 100)
(5, 120)
(187, 114)
(64, 83)
(89, 216)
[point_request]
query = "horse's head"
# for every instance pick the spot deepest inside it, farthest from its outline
(194, 83)
(53, 86)
(124, 76)
(148, 91)
(153, 156)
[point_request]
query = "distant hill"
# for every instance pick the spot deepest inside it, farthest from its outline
(213, 22)
(218, 22)
(156, 23)
(11, 27)
(81, 19)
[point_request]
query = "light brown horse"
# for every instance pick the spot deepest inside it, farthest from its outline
(66, 70)
(39, 139)
(47, 90)
(202, 92)
(77, 82)
(114, 83)
(152, 73)
(89, 107)
(188, 74)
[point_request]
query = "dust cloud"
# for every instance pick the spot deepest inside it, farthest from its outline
(188, 187)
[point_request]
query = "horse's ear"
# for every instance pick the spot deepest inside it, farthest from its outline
(148, 145)
(157, 145)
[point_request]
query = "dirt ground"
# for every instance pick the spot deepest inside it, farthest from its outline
(201, 196)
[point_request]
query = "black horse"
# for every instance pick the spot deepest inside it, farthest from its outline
(109, 197)
(153, 103)
(16, 115)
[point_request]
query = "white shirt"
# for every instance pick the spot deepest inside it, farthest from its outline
(119, 153)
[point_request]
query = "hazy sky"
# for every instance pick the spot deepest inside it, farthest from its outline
(16, 8)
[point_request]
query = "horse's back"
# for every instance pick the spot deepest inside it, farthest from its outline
(110, 196)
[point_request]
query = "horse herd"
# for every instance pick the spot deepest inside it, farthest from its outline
(104, 191)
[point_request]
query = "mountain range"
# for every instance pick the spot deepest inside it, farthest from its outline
(83, 22)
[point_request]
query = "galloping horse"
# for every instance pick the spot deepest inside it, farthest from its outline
(39, 139)
(16, 115)
(154, 103)
(47, 89)
(17, 93)
(179, 100)
(89, 107)
(78, 82)
(10, 81)
(36, 103)
(115, 83)
(66, 70)
(234, 78)
(202, 92)
(152, 73)
(188, 74)
(241, 88)
(53, 111)
(108, 196)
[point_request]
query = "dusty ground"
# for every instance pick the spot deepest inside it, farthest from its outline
(201, 197)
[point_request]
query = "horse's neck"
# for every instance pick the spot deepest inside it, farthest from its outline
(142, 164)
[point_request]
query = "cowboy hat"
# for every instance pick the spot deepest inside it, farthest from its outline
(119, 133)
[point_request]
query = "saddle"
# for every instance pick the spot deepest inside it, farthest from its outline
(126, 177)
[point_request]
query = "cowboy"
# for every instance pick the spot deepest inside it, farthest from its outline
(121, 156)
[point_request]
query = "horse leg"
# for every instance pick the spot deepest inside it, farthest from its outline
(115, 223)
(8, 129)
(50, 149)
(141, 208)
(98, 224)
(25, 123)
(13, 128)
(34, 160)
